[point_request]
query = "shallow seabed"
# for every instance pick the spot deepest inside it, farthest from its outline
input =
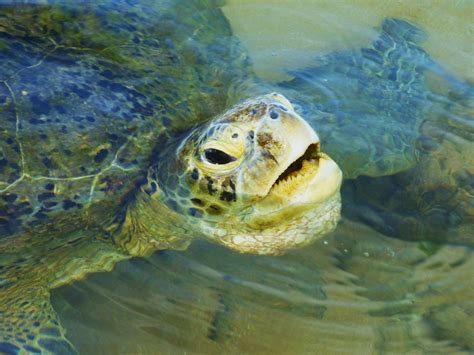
(356, 291)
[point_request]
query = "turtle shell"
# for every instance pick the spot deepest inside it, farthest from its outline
(86, 90)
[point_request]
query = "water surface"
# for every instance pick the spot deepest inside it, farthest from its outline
(358, 290)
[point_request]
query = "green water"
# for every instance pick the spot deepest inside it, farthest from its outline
(356, 291)
(395, 277)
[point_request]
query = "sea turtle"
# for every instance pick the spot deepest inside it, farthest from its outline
(117, 140)
(103, 157)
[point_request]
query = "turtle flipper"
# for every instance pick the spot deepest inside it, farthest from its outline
(374, 97)
(28, 322)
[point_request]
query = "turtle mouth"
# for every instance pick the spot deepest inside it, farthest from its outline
(298, 172)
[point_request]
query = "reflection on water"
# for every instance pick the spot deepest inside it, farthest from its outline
(394, 276)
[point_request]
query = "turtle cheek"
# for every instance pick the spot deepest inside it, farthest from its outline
(257, 177)
(202, 189)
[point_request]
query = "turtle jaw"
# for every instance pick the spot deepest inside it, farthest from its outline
(302, 206)
(279, 231)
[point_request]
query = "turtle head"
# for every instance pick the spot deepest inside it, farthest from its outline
(254, 179)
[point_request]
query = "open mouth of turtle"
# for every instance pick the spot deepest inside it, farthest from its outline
(301, 170)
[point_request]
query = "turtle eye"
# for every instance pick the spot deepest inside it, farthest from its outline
(216, 156)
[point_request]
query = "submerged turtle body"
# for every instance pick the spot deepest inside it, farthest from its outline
(400, 127)
(374, 97)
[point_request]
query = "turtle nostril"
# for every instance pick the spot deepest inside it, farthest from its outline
(274, 115)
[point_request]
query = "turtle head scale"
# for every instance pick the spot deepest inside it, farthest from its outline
(254, 179)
